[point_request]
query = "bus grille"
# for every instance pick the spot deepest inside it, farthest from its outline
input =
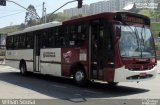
(139, 77)
(139, 67)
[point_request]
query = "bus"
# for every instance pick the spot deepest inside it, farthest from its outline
(110, 47)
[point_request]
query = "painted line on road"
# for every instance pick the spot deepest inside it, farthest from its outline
(90, 91)
(59, 86)
(77, 94)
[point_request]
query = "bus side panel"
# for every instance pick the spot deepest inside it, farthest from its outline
(51, 61)
(109, 74)
(13, 58)
(12, 63)
(69, 56)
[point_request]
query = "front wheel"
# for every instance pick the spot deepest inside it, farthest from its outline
(80, 77)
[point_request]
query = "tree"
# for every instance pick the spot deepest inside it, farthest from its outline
(58, 17)
(22, 26)
(156, 1)
(157, 11)
(31, 17)
(78, 16)
(158, 7)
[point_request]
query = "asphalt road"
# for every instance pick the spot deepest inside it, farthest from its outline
(62, 91)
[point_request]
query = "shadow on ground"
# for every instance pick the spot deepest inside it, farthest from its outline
(65, 89)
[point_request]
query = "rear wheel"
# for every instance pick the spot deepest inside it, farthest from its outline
(23, 69)
(80, 77)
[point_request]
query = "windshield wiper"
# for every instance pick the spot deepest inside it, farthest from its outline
(142, 35)
(136, 34)
(139, 40)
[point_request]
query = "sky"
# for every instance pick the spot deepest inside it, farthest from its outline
(11, 14)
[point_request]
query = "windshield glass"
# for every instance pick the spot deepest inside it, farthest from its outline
(135, 41)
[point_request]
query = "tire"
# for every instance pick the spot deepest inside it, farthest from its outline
(79, 77)
(23, 70)
(112, 83)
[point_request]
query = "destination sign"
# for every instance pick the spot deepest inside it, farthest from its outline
(134, 20)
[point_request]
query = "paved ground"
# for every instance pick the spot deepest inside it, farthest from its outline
(63, 91)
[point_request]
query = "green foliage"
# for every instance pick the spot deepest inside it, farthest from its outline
(157, 46)
(57, 17)
(153, 14)
(9, 29)
(78, 16)
(145, 12)
(31, 17)
(155, 28)
(2, 52)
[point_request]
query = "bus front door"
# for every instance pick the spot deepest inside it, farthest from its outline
(36, 55)
(96, 67)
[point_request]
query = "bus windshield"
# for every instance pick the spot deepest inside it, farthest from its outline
(135, 41)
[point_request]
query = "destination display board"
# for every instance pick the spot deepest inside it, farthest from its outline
(133, 18)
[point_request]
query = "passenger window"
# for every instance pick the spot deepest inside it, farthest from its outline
(9, 42)
(21, 42)
(78, 34)
(29, 40)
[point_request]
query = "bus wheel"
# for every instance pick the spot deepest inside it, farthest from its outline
(80, 77)
(23, 69)
(112, 83)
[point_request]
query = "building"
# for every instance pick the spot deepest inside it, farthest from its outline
(104, 6)
(157, 39)
(108, 6)
(77, 11)
(139, 3)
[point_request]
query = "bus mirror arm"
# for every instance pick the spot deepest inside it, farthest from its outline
(118, 31)
(117, 39)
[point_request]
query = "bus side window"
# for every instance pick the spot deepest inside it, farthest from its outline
(51, 37)
(40, 38)
(82, 32)
(57, 37)
(9, 42)
(77, 35)
(21, 42)
(72, 36)
(43, 36)
(29, 40)
(15, 41)
(62, 34)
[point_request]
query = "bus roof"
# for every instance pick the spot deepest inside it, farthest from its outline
(37, 27)
(107, 15)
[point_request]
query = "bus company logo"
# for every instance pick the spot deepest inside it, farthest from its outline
(149, 102)
(9, 53)
(67, 56)
(49, 54)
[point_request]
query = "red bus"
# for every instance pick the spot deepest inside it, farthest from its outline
(111, 47)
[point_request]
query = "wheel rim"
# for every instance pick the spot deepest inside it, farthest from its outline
(22, 69)
(79, 76)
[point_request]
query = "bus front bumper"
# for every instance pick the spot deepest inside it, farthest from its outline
(125, 75)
